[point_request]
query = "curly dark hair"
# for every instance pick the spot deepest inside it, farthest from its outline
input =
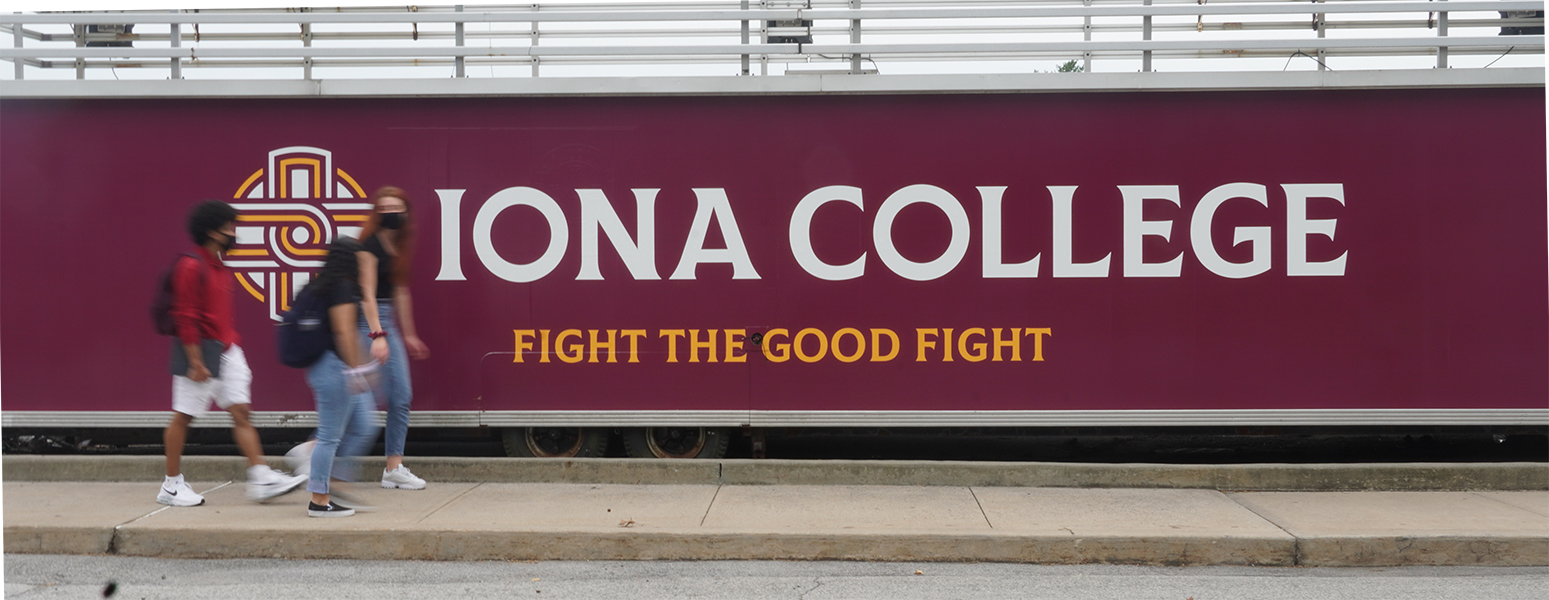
(210, 215)
(339, 268)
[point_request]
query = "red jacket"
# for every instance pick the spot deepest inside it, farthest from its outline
(201, 300)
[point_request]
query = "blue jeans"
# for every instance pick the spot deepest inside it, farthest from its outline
(344, 423)
(395, 377)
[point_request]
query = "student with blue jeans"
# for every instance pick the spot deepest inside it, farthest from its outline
(387, 320)
(340, 382)
(397, 392)
(386, 326)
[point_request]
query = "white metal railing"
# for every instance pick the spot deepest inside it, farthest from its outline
(798, 35)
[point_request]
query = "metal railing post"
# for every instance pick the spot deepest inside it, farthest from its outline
(855, 38)
(176, 37)
(1145, 34)
(19, 39)
(1441, 31)
(1086, 35)
(306, 42)
(460, 60)
(763, 38)
(746, 70)
(534, 57)
(1318, 21)
(79, 32)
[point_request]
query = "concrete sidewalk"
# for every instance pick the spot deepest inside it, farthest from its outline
(1355, 477)
(598, 521)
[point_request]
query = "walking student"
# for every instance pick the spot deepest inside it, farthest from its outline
(207, 362)
(386, 324)
(387, 320)
(339, 381)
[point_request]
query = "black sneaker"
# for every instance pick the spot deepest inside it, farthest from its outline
(332, 510)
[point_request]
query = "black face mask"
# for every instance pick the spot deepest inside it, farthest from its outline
(230, 241)
(392, 220)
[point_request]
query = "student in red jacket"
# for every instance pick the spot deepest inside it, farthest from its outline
(202, 313)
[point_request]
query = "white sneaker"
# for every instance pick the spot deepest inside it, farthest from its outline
(401, 478)
(178, 494)
(264, 484)
(300, 457)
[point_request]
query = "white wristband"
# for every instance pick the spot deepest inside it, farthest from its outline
(364, 369)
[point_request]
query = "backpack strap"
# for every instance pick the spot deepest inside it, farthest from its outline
(199, 260)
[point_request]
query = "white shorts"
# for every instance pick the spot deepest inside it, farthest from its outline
(233, 387)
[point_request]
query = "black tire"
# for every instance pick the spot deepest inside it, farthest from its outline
(555, 442)
(676, 442)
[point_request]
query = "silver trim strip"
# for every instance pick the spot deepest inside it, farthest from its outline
(792, 85)
(567, 418)
(214, 418)
(855, 418)
(1151, 418)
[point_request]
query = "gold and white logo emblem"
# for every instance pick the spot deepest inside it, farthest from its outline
(290, 211)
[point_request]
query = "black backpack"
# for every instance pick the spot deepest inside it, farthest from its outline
(161, 306)
(305, 332)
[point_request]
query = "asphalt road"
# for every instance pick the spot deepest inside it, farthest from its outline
(46, 576)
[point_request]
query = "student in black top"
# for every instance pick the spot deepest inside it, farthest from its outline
(388, 239)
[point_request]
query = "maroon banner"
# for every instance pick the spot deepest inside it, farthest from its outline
(1220, 250)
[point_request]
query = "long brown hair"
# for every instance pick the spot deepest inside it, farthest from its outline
(404, 242)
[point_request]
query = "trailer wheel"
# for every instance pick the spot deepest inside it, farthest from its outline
(676, 442)
(555, 442)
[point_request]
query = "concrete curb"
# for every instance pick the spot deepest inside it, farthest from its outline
(1262, 477)
(698, 545)
(684, 545)
(34, 539)
(1427, 551)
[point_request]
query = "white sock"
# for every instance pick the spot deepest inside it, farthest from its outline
(175, 479)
